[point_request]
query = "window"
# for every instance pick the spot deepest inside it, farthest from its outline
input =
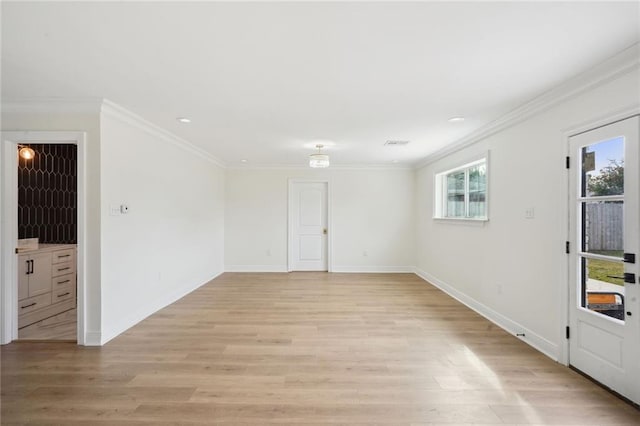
(461, 193)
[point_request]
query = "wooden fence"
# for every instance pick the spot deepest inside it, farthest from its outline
(605, 226)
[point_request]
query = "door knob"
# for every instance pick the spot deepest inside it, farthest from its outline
(324, 231)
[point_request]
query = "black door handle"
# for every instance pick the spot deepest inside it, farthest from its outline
(629, 278)
(629, 258)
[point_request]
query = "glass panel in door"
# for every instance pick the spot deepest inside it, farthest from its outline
(602, 236)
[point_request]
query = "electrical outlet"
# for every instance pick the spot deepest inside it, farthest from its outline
(114, 210)
(529, 213)
(124, 209)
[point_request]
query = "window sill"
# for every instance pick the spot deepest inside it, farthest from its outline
(462, 221)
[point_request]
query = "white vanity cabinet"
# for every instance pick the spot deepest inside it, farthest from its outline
(46, 282)
(35, 275)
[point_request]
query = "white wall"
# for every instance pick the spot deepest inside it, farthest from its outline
(371, 210)
(514, 269)
(85, 118)
(171, 240)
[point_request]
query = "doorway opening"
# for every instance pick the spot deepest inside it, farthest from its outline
(43, 248)
(47, 239)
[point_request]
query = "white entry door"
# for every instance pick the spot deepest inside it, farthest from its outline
(308, 226)
(604, 311)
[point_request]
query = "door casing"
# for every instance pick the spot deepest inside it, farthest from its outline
(563, 291)
(9, 227)
(603, 366)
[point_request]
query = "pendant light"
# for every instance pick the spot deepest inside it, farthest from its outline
(319, 160)
(26, 152)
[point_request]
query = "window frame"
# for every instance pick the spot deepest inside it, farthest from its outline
(441, 190)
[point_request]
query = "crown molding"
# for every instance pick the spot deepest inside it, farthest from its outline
(102, 106)
(114, 110)
(613, 68)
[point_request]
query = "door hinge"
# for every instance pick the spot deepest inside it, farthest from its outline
(567, 247)
(567, 333)
(568, 162)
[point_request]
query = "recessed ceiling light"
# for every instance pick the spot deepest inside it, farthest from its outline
(394, 161)
(184, 119)
(244, 160)
(456, 119)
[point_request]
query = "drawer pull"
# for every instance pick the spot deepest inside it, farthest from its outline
(63, 255)
(28, 306)
(65, 294)
(64, 269)
(63, 282)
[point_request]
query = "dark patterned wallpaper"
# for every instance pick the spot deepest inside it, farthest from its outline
(47, 194)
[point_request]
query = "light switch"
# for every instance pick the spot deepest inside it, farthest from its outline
(529, 213)
(114, 210)
(124, 209)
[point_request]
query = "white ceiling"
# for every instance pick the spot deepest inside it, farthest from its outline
(265, 81)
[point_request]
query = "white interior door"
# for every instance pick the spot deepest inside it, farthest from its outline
(604, 311)
(308, 226)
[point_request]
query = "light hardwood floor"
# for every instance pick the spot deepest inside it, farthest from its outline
(304, 349)
(58, 327)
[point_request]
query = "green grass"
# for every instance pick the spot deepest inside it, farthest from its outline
(603, 270)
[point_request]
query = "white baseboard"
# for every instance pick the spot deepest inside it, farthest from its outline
(350, 269)
(374, 269)
(538, 342)
(255, 268)
(92, 338)
(150, 308)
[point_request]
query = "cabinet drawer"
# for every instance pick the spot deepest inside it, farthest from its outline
(34, 303)
(58, 282)
(64, 293)
(62, 256)
(62, 269)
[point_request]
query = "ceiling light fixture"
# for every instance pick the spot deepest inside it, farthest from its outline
(26, 152)
(456, 120)
(244, 160)
(319, 160)
(184, 119)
